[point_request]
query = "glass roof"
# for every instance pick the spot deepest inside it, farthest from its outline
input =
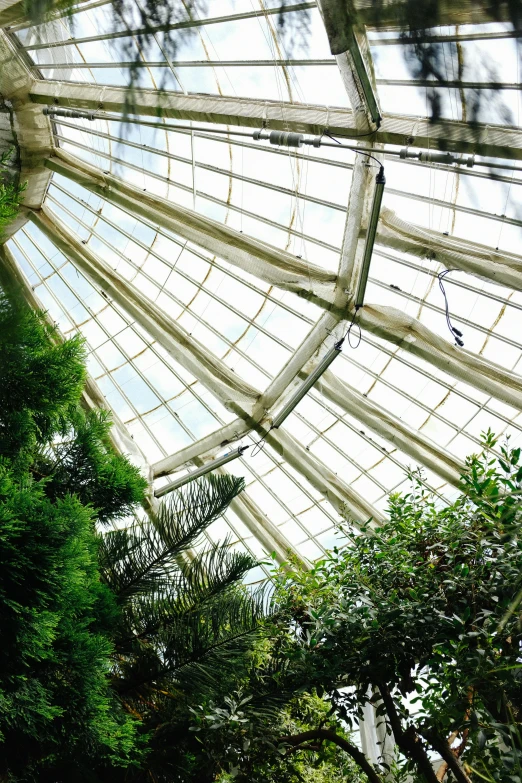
(296, 201)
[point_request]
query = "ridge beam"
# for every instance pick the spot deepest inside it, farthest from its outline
(190, 353)
(450, 135)
(273, 266)
(409, 440)
(475, 259)
(409, 333)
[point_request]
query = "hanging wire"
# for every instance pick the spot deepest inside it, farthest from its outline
(456, 333)
(359, 152)
(260, 444)
(353, 323)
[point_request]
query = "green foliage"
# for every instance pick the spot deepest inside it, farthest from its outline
(425, 610)
(11, 195)
(186, 628)
(42, 426)
(55, 617)
(57, 709)
(83, 463)
(244, 736)
(107, 637)
(42, 380)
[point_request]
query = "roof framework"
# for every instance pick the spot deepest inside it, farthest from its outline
(209, 274)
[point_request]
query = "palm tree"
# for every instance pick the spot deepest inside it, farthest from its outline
(187, 624)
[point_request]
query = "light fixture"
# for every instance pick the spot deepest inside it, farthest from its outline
(208, 468)
(380, 182)
(364, 79)
(307, 385)
(77, 114)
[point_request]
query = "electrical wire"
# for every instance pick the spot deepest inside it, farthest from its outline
(355, 149)
(456, 333)
(347, 335)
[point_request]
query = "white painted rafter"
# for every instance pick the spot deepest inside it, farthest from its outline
(494, 140)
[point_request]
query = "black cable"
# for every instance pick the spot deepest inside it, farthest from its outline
(358, 152)
(349, 331)
(456, 333)
(356, 136)
(260, 444)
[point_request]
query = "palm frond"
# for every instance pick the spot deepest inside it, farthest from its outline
(188, 511)
(142, 559)
(210, 573)
(195, 648)
(196, 583)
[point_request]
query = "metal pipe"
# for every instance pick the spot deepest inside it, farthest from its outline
(208, 468)
(280, 138)
(380, 182)
(305, 387)
(185, 64)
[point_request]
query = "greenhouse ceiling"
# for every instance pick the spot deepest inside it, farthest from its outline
(210, 271)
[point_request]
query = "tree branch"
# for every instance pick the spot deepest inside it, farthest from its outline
(442, 747)
(407, 740)
(297, 748)
(330, 735)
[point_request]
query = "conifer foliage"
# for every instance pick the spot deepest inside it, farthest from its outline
(55, 614)
(108, 632)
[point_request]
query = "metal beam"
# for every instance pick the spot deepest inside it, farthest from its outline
(479, 260)
(386, 322)
(274, 266)
(279, 188)
(169, 27)
(232, 392)
(349, 45)
(410, 441)
(32, 128)
(456, 85)
(185, 64)
(359, 90)
(405, 40)
(282, 151)
(408, 333)
(491, 140)
(200, 165)
(191, 354)
(203, 449)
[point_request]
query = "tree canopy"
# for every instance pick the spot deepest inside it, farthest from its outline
(110, 632)
(421, 617)
(55, 613)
